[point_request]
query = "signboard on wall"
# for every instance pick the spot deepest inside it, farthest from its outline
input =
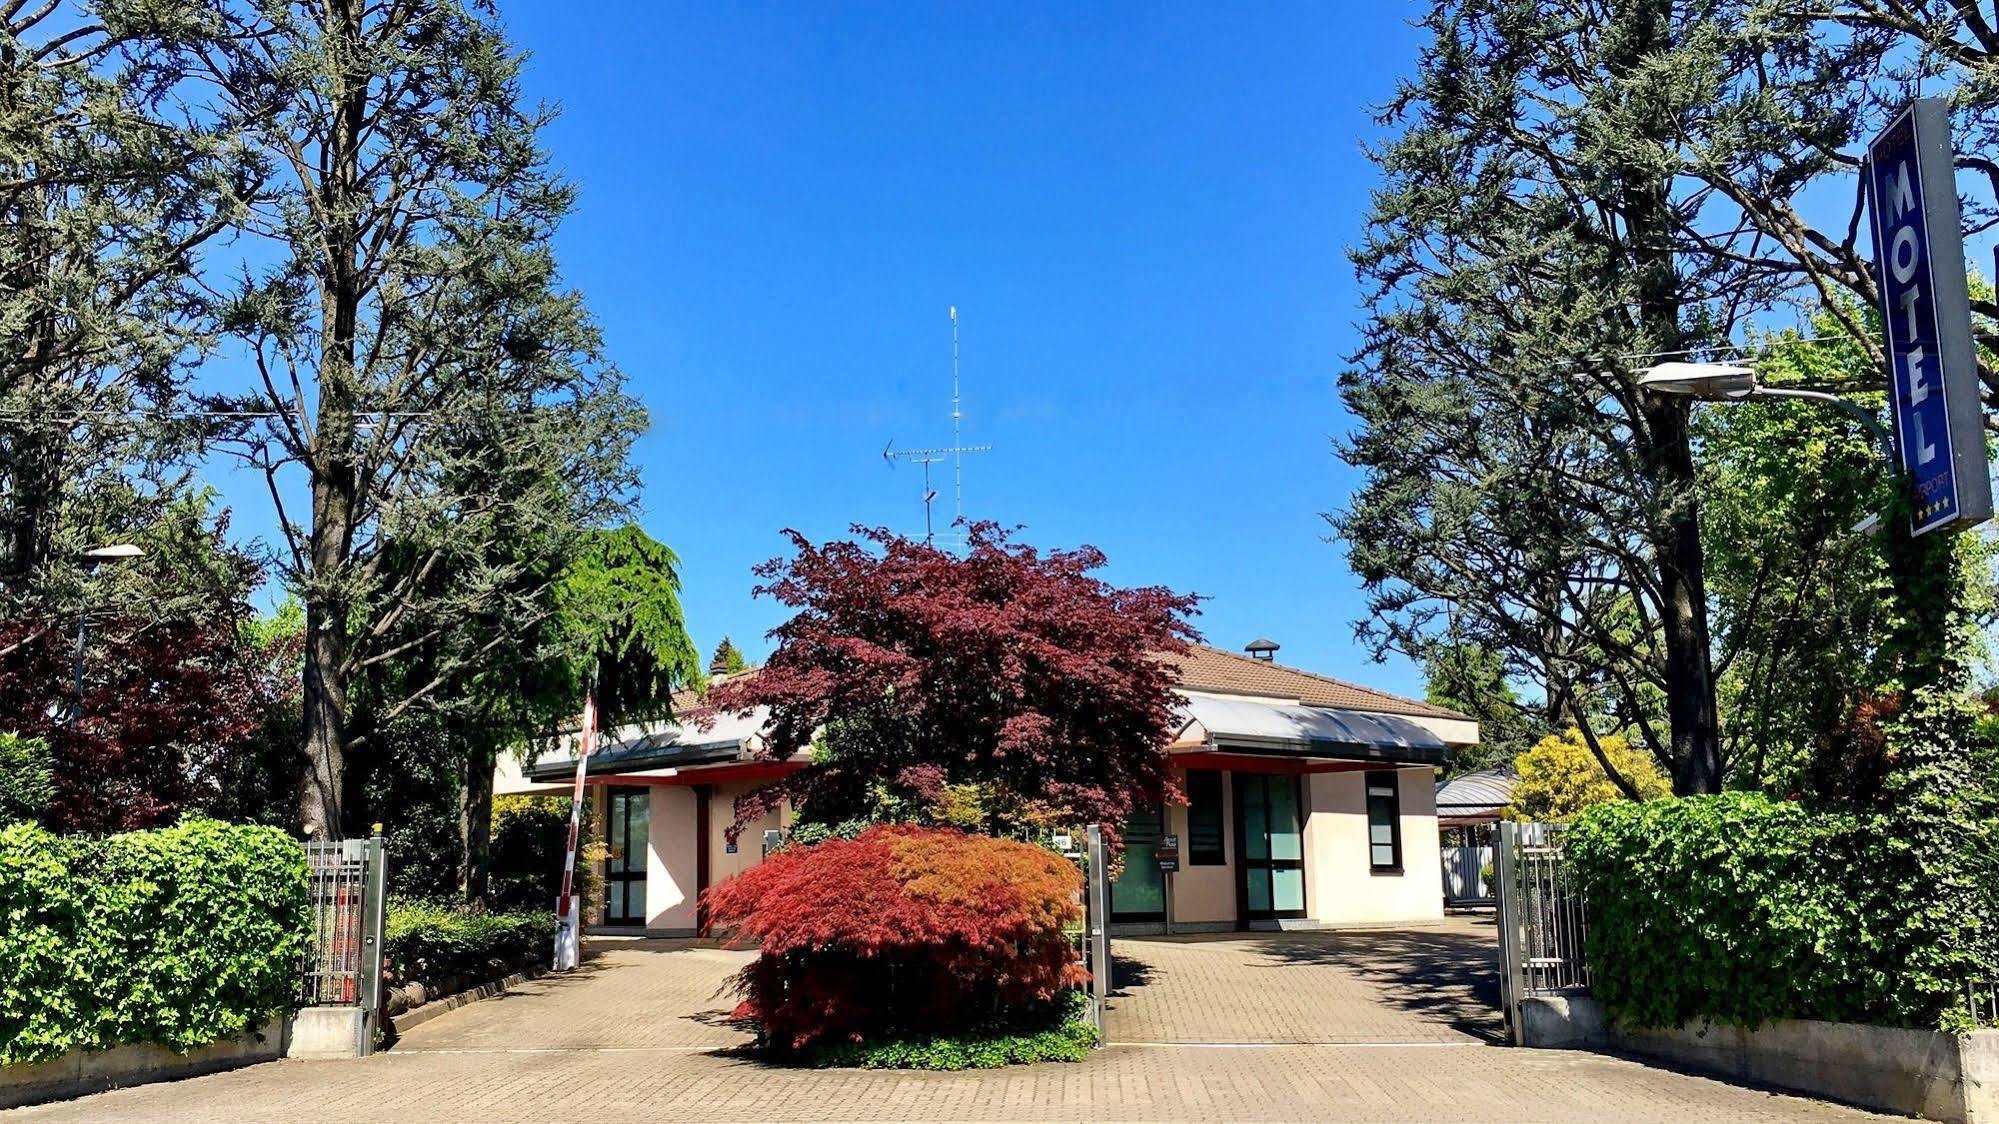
(1933, 390)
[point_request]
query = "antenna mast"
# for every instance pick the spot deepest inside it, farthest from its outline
(956, 450)
(957, 418)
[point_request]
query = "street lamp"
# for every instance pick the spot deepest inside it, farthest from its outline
(91, 559)
(1726, 382)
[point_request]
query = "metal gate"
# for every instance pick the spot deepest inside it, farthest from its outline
(344, 961)
(1543, 919)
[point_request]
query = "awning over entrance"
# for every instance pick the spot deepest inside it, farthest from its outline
(1268, 728)
(725, 739)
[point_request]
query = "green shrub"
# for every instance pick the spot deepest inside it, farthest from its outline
(530, 838)
(1068, 1040)
(178, 936)
(1734, 906)
(437, 943)
(27, 779)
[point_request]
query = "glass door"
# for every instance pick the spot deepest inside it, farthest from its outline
(1139, 894)
(625, 830)
(1270, 826)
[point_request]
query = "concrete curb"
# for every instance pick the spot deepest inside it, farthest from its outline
(1922, 1073)
(403, 1023)
(83, 1072)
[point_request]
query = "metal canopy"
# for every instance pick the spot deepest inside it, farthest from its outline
(1475, 797)
(674, 744)
(1250, 726)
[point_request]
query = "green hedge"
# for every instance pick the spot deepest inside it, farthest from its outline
(1735, 907)
(179, 936)
(436, 943)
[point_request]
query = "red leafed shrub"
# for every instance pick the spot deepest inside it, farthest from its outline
(900, 930)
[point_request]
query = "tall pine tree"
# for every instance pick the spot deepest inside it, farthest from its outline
(427, 378)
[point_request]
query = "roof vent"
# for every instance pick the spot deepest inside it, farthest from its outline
(1261, 649)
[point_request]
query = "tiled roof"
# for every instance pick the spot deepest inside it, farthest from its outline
(1212, 669)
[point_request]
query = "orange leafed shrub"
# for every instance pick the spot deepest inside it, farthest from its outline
(900, 930)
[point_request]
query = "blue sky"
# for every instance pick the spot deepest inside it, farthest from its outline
(1139, 210)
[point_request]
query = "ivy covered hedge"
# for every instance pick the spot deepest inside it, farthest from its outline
(179, 936)
(1745, 909)
(440, 945)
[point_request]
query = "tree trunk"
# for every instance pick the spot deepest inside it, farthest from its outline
(475, 826)
(1695, 753)
(1690, 697)
(324, 691)
(335, 476)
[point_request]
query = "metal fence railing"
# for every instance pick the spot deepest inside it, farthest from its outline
(1981, 1002)
(1543, 918)
(343, 965)
(1465, 881)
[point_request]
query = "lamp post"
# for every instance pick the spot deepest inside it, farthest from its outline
(91, 560)
(1726, 382)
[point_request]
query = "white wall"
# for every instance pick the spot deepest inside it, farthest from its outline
(1340, 886)
(670, 860)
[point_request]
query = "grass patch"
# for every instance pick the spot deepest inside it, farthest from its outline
(1070, 1039)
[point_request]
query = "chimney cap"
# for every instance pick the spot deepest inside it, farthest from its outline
(1261, 648)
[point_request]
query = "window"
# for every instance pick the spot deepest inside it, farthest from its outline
(1384, 823)
(1204, 818)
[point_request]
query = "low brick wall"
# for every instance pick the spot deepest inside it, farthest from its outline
(91, 1071)
(1917, 1072)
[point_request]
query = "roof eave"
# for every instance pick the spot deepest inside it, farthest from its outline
(1329, 749)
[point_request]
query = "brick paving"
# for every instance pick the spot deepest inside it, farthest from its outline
(1432, 984)
(641, 1034)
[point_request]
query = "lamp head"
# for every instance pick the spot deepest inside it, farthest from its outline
(1706, 381)
(116, 552)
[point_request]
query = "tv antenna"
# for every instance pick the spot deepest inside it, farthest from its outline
(955, 452)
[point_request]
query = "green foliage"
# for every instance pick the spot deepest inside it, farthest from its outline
(1930, 878)
(413, 783)
(1809, 623)
(27, 780)
(178, 936)
(530, 839)
(1560, 777)
(619, 608)
(437, 943)
(728, 659)
(1068, 1040)
(1472, 680)
(1732, 906)
(1744, 909)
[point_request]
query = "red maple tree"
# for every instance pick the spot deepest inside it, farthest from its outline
(1016, 671)
(900, 930)
(163, 703)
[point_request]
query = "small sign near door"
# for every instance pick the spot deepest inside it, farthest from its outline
(1168, 854)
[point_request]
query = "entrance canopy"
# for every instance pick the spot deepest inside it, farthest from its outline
(1251, 726)
(724, 739)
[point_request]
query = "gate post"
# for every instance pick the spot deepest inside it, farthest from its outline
(374, 911)
(1506, 870)
(1099, 931)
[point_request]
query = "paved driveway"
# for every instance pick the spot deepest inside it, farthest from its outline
(1426, 984)
(640, 1035)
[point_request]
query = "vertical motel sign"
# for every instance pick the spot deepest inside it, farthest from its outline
(1926, 317)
